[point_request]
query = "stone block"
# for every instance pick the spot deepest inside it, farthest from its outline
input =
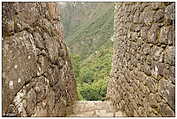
(169, 57)
(167, 91)
(159, 16)
(151, 84)
(166, 111)
(153, 34)
(170, 12)
(152, 100)
(120, 114)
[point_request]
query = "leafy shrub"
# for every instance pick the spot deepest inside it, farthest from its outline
(88, 77)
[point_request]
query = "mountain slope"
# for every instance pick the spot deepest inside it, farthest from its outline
(94, 73)
(91, 27)
(88, 30)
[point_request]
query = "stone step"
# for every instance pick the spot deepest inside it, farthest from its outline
(86, 106)
(120, 114)
(92, 114)
(103, 113)
(83, 114)
(93, 109)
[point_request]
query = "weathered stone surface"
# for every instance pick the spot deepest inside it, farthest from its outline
(167, 91)
(153, 34)
(37, 73)
(93, 109)
(166, 35)
(159, 15)
(170, 12)
(170, 56)
(166, 110)
(143, 72)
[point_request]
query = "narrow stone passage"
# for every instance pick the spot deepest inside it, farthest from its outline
(93, 109)
(38, 74)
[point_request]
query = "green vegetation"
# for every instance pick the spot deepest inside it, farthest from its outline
(90, 36)
(92, 73)
(90, 47)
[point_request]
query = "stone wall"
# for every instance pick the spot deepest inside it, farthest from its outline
(37, 74)
(143, 71)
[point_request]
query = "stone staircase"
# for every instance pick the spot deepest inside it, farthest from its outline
(93, 109)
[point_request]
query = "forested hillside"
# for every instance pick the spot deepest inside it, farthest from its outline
(88, 32)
